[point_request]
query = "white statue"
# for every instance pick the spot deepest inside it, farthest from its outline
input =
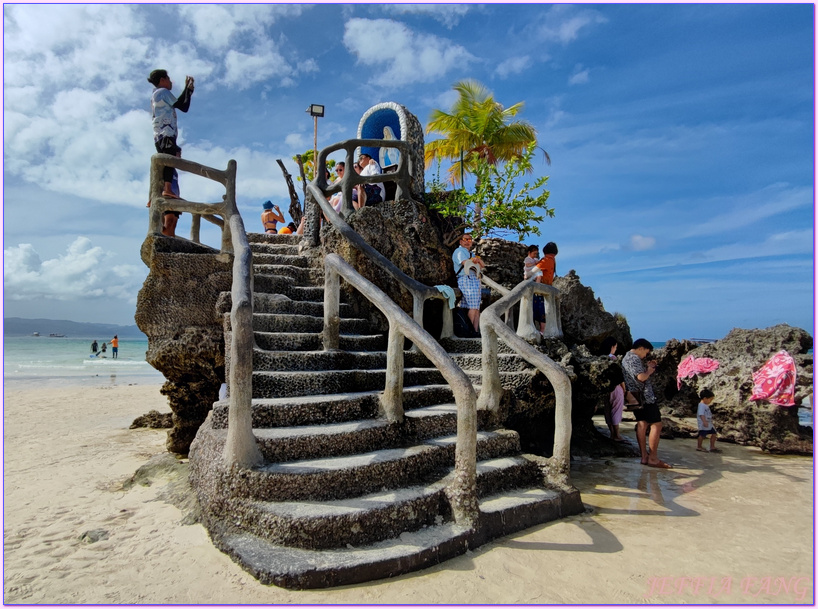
(389, 156)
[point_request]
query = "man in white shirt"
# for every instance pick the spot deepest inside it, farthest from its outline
(371, 168)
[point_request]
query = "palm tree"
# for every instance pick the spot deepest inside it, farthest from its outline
(477, 127)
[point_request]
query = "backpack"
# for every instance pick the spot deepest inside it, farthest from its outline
(461, 324)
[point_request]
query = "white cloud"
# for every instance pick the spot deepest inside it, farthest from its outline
(245, 69)
(76, 117)
(82, 272)
(640, 243)
(562, 23)
(753, 207)
(447, 14)
(579, 77)
(513, 65)
(218, 27)
(407, 56)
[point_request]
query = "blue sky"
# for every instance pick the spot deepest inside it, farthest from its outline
(681, 137)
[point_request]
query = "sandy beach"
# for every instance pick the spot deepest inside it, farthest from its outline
(730, 528)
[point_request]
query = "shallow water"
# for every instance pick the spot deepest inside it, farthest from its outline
(42, 361)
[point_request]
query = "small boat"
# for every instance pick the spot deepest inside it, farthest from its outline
(35, 333)
(54, 335)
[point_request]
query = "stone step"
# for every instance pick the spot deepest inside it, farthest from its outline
(507, 362)
(288, 322)
(274, 239)
(298, 568)
(315, 382)
(281, 259)
(300, 275)
(471, 345)
(370, 518)
(353, 475)
(311, 341)
(282, 249)
(278, 303)
(330, 360)
(274, 284)
(517, 509)
(280, 444)
(333, 408)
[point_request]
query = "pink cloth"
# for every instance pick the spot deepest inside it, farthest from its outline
(775, 380)
(694, 365)
(616, 401)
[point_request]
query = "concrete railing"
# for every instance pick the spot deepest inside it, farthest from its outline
(318, 189)
(492, 328)
(240, 448)
(462, 492)
(208, 211)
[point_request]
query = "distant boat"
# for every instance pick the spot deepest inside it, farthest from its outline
(53, 335)
(35, 334)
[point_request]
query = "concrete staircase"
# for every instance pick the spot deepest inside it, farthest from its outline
(343, 495)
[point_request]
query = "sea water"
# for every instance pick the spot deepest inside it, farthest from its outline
(43, 361)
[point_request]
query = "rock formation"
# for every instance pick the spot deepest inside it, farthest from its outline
(737, 418)
(584, 319)
(176, 309)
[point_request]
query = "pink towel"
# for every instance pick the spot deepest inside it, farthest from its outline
(775, 381)
(694, 365)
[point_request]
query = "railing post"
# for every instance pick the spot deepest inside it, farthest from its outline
(195, 226)
(332, 308)
(462, 492)
(448, 323)
(491, 389)
(155, 216)
(392, 399)
(240, 448)
(525, 324)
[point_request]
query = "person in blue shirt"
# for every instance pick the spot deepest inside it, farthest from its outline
(467, 280)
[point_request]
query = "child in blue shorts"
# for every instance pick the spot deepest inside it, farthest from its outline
(704, 418)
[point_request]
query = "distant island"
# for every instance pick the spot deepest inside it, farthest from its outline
(18, 326)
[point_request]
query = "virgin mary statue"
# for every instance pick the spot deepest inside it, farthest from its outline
(388, 156)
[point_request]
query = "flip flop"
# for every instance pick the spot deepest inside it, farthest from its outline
(620, 439)
(716, 450)
(660, 465)
(701, 450)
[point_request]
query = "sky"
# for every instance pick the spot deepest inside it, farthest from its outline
(681, 137)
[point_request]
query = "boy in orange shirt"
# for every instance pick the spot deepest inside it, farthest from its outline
(548, 263)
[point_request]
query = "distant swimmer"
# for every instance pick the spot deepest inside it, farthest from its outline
(115, 346)
(94, 346)
(103, 348)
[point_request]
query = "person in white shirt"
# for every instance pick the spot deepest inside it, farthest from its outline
(370, 167)
(704, 418)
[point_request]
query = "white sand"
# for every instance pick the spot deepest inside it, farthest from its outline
(733, 516)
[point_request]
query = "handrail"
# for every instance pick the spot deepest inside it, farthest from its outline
(420, 292)
(208, 211)
(491, 390)
(462, 492)
(240, 448)
(500, 288)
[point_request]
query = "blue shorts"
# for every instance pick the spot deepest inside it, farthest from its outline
(539, 308)
(703, 433)
(470, 288)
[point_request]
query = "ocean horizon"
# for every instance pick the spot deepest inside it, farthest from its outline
(44, 361)
(32, 362)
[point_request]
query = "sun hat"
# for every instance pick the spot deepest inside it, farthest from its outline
(268, 205)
